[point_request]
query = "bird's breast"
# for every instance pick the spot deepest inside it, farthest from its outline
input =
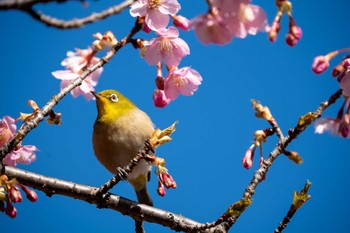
(117, 142)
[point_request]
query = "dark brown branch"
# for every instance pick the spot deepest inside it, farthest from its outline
(21, 4)
(76, 23)
(38, 117)
(139, 212)
(27, 7)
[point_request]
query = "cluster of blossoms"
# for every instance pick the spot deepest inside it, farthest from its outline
(341, 124)
(76, 62)
(167, 48)
(165, 180)
(10, 193)
(228, 19)
(294, 31)
(20, 154)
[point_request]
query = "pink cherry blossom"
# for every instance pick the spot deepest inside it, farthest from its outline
(23, 154)
(345, 81)
(20, 154)
(7, 129)
(86, 86)
(168, 47)
(339, 126)
(159, 98)
(212, 28)
(326, 125)
(74, 64)
(156, 12)
(230, 19)
(183, 81)
(76, 61)
(250, 19)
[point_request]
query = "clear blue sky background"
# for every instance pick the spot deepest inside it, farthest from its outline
(216, 124)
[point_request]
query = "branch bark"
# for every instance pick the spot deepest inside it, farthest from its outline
(27, 7)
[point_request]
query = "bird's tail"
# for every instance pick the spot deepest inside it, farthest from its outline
(144, 197)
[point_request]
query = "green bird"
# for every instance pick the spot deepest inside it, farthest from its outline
(120, 131)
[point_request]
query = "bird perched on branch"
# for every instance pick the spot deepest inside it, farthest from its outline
(120, 131)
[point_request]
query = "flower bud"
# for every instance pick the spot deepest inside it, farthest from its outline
(167, 180)
(145, 28)
(320, 64)
(291, 40)
(161, 190)
(159, 99)
(181, 22)
(30, 194)
(10, 210)
(247, 160)
(15, 194)
(275, 27)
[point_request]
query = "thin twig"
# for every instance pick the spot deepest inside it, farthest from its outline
(76, 23)
(299, 200)
(39, 116)
(20, 4)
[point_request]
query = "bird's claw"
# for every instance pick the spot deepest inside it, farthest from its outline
(121, 173)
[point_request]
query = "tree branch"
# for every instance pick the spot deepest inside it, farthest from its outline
(139, 212)
(26, 6)
(19, 4)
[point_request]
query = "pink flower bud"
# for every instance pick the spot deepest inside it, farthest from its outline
(145, 28)
(159, 98)
(320, 64)
(275, 27)
(30, 194)
(291, 40)
(15, 194)
(296, 32)
(167, 180)
(161, 190)
(346, 63)
(247, 160)
(10, 210)
(181, 22)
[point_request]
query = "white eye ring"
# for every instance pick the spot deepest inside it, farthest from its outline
(114, 98)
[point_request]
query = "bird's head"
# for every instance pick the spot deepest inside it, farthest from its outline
(112, 104)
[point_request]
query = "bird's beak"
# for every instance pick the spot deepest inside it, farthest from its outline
(95, 94)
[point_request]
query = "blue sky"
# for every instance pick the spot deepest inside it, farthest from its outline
(216, 124)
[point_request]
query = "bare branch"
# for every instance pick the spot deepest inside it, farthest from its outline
(20, 4)
(39, 116)
(299, 199)
(139, 212)
(26, 6)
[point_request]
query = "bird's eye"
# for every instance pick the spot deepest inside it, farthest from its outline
(114, 98)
